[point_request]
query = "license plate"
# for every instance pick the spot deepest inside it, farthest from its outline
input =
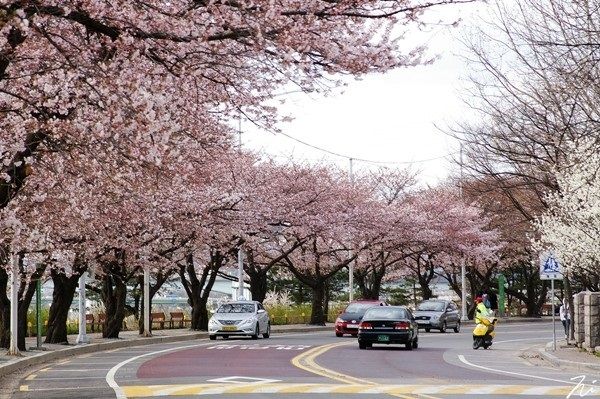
(351, 325)
(229, 328)
(383, 338)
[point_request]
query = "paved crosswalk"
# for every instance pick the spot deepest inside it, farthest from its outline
(138, 391)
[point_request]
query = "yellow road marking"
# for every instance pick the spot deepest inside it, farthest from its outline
(24, 388)
(402, 391)
(30, 377)
(306, 361)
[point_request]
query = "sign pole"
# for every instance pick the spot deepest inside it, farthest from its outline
(553, 315)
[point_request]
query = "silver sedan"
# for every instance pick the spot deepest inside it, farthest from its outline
(240, 318)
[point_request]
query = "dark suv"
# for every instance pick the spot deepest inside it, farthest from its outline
(348, 321)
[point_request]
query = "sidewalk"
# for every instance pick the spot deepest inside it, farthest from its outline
(52, 352)
(569, 356)
(517, 319)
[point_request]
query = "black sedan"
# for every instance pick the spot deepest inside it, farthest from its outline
(388, 325)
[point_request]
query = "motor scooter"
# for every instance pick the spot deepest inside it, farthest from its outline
(484, 333)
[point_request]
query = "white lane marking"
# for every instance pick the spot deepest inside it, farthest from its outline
(67, 378)
(243, 380)
(110, 376)
(468, 363)
(520, 339)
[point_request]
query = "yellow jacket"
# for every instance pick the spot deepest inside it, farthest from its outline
(481, 311)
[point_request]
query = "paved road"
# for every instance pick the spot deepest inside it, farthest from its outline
(314, 365)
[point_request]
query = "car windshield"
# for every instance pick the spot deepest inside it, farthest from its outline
(385, 313)
(359, 307)
(236, 308)
(434, 306)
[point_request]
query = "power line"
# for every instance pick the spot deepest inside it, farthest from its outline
(337, 154)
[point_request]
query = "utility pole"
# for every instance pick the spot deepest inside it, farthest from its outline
(240, 290)
(147, 331)
(463, 270)
(82, 338)
(351, 264)
(13, 349)
(240, 293)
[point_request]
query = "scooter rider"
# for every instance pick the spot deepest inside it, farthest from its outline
(480, 310)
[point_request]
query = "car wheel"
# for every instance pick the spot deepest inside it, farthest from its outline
(427, 329)
(268, 333)
(443, 327)
(225, 336)
(337, 334)
(212, 337)
(256, 332)
(409, 345)
(362, 345)
(457, 328)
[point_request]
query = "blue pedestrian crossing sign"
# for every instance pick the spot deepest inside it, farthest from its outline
(550, 268)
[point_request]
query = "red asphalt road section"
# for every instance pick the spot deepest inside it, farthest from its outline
(211, 362)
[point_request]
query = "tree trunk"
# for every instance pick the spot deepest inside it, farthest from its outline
(317, 316)
(426, 292)
(114, 293)
(258, 285)
(62, 298)
(4, 310)
(200, 316)
(198, 289)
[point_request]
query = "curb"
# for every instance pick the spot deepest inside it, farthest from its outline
(557, 362)
(512, 320)
(49, 356)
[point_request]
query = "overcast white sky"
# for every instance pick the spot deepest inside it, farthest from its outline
(385, 117)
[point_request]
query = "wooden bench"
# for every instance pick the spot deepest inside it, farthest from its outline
(178, 317)
(158, 318)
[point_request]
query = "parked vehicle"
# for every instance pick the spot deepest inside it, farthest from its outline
(484, 333)
(347, 322)
(439, 314)
(240, 318)
(388, 325)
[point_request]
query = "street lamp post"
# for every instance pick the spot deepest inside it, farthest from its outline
(463, 271)
(240, 292)
(463, 292)
(147, 332)
(351, 264)
(13, 349)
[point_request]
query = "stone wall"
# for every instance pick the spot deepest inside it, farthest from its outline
(578, 323)
(587, 319)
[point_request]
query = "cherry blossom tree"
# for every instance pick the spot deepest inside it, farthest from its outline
(571, 225)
